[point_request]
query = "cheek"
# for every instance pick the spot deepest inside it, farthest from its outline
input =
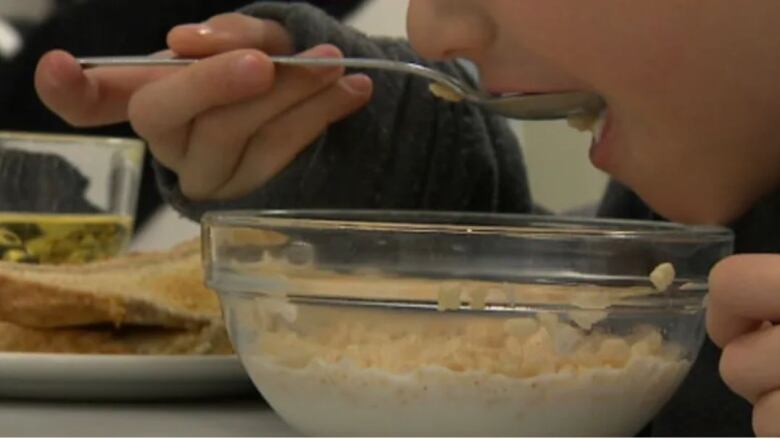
(620, 48)
(566, 34)
(681, 137)
(656, 170)
(446, 29)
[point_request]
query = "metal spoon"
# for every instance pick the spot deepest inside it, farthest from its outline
(537, 106)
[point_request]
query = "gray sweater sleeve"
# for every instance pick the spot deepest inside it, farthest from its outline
(404, 150)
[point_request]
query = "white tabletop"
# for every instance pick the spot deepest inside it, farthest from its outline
(250, 417)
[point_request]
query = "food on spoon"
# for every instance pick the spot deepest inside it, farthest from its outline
(445, 92)
(589, 121)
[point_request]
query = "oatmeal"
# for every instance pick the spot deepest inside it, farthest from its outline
(663, 276)
(359, 374)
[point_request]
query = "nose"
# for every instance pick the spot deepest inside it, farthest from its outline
(445, 29)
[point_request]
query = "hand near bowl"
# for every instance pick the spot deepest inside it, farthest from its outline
(226, 124)
(744, 300)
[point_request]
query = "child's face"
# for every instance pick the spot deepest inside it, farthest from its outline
(693, 87)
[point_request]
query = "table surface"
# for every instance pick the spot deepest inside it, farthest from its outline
(231, 418)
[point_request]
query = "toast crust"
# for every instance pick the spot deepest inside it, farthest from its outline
(209, 340)
(161, 289)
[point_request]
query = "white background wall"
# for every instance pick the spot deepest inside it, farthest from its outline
(24, 9)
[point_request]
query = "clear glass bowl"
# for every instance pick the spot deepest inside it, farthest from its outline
(378, 323)
(66, 199)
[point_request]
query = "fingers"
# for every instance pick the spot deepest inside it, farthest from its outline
(723, 325)
(93, 97)
(282, 139)
(217, 137)
(228, 32)
(766, 415)
(744, 292)
(750, 365)
(63, 87)
(210, 121)
(101, 96)
(161, 111)
(744, 297)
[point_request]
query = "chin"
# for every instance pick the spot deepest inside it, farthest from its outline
(703, 211)
(692, 199)
(695, 217)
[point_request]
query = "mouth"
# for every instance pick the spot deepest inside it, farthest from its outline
(598, 124)
(592, 122)
(516, 91)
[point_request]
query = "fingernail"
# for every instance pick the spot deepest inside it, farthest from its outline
(358, 84)
(197, 28)
(60, 73)
(204, 30)
(324, 51)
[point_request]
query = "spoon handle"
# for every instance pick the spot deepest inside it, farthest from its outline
(359, 63)
(130, 61)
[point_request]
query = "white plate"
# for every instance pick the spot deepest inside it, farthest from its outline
(121, 377)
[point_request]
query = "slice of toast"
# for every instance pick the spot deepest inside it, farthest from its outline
(211, 340)
(163, 289)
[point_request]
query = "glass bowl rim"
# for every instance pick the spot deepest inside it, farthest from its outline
(531, 225)
(567, 228)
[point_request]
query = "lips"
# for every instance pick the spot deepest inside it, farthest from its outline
(600, 147)
(598, 126)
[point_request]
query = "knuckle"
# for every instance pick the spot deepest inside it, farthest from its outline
(720, 278)
(232, 191)
(80, 116)
(766, 415)
(731, 368)
(275, 135)
(714, 328)
(165, 157)
(226, 85)
(716, 277)
(191, 187)
(209, 130)
(77, 119)
(342, 107)
(137, 115)
(208, 127)
(291, 133)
